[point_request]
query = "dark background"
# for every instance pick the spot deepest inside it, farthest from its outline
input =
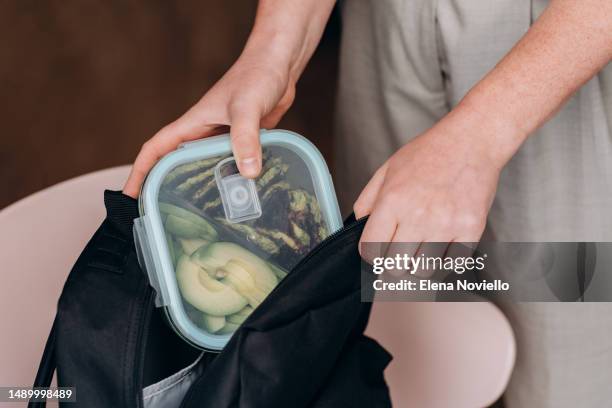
(83, 83)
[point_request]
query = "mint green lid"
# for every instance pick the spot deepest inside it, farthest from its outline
(215, 244)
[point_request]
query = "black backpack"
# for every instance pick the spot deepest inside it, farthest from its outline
(303, 347)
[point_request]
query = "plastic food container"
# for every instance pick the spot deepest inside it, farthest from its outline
(215, 244)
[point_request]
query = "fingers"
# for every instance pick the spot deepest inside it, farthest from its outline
(380, 228)
(470, 237)
(244, 134)
(195, 124)
(458, 249)
(405, 241)
(432, 254)
(271, 119)
(186, 128)
(364, 204)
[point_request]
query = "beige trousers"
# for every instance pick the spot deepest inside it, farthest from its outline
(404, 64)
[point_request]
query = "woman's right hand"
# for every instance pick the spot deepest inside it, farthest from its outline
(253, 94)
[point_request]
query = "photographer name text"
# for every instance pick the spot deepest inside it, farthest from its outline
(429, 285)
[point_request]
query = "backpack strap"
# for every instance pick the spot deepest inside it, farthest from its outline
(47, 367)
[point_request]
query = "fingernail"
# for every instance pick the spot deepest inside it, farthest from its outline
(249, 167)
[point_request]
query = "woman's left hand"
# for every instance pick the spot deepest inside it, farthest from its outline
(437, 188)
(440, 186)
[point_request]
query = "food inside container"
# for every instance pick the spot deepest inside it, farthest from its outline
(215, 244)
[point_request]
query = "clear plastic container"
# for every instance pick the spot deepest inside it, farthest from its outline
(215, 244)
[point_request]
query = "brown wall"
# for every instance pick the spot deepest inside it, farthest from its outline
(83, 83)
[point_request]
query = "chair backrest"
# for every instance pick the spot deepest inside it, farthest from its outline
(456, 355)
(41, 236)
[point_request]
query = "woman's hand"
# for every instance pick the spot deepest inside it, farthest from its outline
(251, 95)
(256, 91)
(437, 188)
(440, 186)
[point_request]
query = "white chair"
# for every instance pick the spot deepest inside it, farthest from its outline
(445, 355)
(457, 355)
(41, 237)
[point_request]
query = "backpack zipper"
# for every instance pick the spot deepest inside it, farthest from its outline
(327, 240)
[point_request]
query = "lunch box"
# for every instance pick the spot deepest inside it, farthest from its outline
(214, 244)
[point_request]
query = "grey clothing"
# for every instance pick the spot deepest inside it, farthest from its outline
(404, 64)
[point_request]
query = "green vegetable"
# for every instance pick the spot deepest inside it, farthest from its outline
(280, 186)
(183, 228)
(301, 235)
(280, 273)
(241, 278)
(213, 324)
(172, 253)
(248, 274)
(218, 254)
(276, 168)
(188, 169)
(178, 250)
(193, 181)
(179, 212)
(252, 235)
(323, 232)
(204, 189)
(280, 237)
(205, 293)
(228, 328)
(291, 224)
(212, 204)
(241, 316)
(189, 246)
(186, 224)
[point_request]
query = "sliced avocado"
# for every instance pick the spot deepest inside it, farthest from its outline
(178, 250)
(241, 316)
(205, 293)
(212, 324)
(184, 228)
(279, 272)
(218, 254)
(243, 279)
(189, 246)
(170, 243)
(189, 216)
(228, 328)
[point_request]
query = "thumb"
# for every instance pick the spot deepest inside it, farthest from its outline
(244, 133)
